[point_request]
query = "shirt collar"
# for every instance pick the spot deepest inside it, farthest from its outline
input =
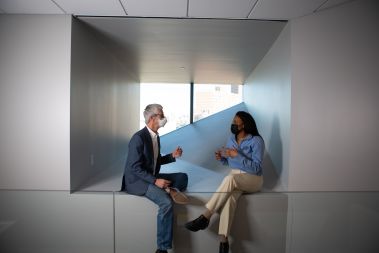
(152, 133)
(247, 137)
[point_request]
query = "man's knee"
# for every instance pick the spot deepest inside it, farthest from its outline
(182, 180)
(166, 204)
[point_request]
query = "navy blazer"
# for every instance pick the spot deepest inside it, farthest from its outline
(139, 171)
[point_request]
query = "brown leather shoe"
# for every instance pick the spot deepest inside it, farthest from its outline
(178, 197)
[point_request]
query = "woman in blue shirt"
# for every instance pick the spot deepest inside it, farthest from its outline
(243, 154)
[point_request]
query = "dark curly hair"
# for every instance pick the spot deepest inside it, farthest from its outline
(250, 126)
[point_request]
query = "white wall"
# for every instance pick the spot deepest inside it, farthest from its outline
(35, 101)
(335, 119)
(104, 107)
(267, 95)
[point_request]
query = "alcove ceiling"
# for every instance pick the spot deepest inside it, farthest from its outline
(189, 50)
(204, 41)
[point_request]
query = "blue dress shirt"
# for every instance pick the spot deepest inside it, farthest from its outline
(250, 154)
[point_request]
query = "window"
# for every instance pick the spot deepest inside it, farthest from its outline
(212, 98)
(175, 99)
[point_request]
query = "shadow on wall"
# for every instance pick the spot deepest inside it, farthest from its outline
(125, 54)
(202, 138)
(108, 176)
(260, 224)
(184, 241)
(273, 159)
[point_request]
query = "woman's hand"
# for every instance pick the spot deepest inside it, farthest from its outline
(231, 152)
(225, 152)
(218, 155)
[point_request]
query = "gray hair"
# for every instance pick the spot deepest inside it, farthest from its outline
(151, 110)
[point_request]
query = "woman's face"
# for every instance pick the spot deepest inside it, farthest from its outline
(238, 121)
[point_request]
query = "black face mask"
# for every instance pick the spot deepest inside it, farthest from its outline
(234, 129)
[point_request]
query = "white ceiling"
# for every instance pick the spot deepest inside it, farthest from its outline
(239, 9)
(204, 41)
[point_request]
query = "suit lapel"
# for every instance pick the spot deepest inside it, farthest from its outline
(149, 141)
(159, 144)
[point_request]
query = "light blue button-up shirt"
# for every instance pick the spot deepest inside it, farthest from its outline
(250, 154)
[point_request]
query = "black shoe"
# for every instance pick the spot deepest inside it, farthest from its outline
(224, 247)
(161, 251)
(199, 223)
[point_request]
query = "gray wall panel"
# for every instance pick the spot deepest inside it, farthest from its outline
(333, 222)
(35, 102)
(335, 120)
(55, 221)
(260, 225)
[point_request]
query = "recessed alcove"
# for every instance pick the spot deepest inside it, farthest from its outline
(111, 56)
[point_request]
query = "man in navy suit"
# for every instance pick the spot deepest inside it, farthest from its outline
(142, 177)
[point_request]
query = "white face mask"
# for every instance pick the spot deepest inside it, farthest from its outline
(162, 122)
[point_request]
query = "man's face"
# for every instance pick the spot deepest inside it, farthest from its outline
(158, 116)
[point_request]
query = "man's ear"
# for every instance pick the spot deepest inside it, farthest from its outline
(151, 118)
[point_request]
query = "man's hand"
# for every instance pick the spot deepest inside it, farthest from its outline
(177, 152)
(162, 183)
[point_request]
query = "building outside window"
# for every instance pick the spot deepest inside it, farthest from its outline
(212, 98)
(176, 101)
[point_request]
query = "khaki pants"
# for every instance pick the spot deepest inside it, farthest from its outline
(224, 200)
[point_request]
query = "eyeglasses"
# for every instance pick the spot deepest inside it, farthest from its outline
(161, 115)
